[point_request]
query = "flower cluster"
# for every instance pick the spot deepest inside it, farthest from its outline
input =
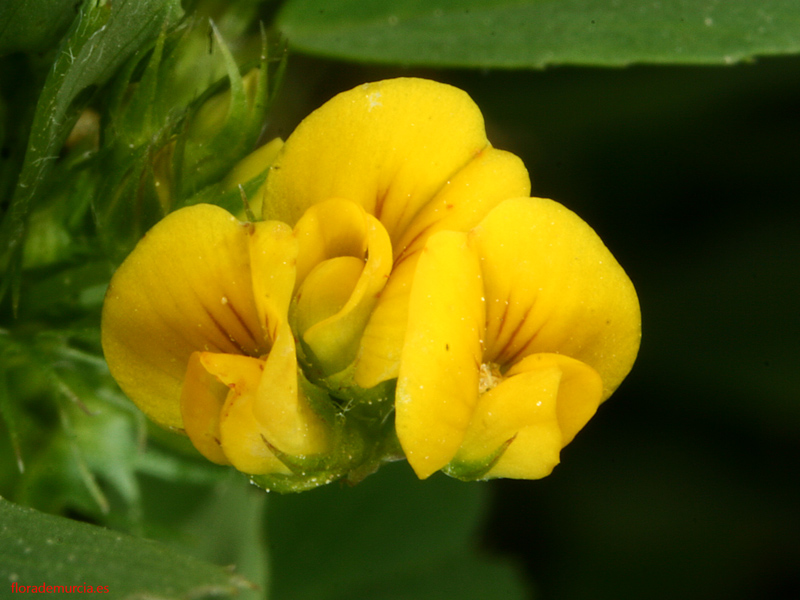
(403, 296)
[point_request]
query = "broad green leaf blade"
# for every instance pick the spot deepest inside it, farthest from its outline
(391, 536)
(461, 577)
(221, 523)
(37, 548)
(537, 33)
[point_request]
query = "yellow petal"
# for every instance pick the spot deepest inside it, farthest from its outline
(465, 199)
(537, 409)
(519, 413)
(382, 341)
(552, 286)
(438, 383)
(388, 146)
(330, 344)
(186, 287)
(241, 436)
(351, 257)
(493, 176)
(287, 419)
(329, 229)
(579, 392)
(273, 257)
(202, 398)
(326, 290)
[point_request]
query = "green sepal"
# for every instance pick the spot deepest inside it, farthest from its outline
(347, 448)
(476, 470)
(229, 198)
(178, 120)
(103, 36)
(212, 146)
(362, 439)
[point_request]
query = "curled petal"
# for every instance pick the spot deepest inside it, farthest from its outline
(186, 287)
(352, 255)
(288, 420)
(579, 392)
(389, 146)
(202, 398)
(523, 422)
(438, 383)
(229, 428)
(329, 229)
(326, 290)
(552, 286)
(382, 341)
(273, 258)
(236, 409)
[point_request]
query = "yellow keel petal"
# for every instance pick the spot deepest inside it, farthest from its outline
(537, 409)
(579, 392)
(241, 438)
(349, 256)
(287, 419)
(520, 412)
(202, 398)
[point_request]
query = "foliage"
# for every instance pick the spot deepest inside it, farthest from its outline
(539, 33)
(113, 114)
(67, 553)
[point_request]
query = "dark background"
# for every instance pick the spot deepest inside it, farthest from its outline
(686, 482)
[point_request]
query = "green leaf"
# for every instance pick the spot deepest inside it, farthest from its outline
(220, 523)
(36, 548)
(175, 126)
(8, 417)
(538, 33)
(391, 536)
(102, 38)
(463, 577)
(33, 25)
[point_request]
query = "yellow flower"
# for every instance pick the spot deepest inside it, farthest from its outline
(195, 331)
(413, 153)
(517, 331)
(511, 387)
(399, 248)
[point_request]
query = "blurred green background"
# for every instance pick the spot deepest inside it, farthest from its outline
(685, 484)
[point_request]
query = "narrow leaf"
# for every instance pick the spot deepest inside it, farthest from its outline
(537, 33)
